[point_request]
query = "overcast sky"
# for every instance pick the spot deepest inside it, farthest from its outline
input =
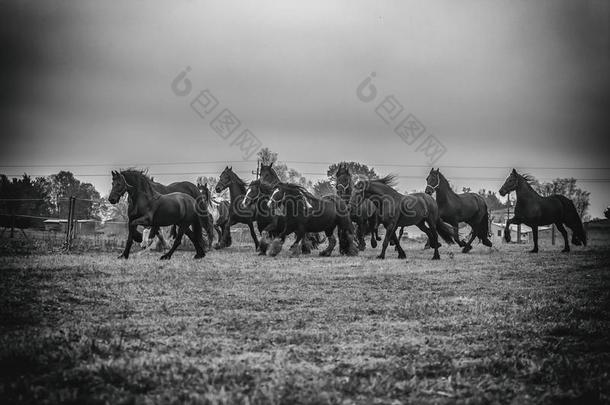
(498, 83)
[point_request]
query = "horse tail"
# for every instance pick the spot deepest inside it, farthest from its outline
(445, 231)
(573, 221)
(483, 230)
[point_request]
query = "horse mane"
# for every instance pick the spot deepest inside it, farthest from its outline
(298, 189)
(238, 180)
(388, 180)
(527, 177)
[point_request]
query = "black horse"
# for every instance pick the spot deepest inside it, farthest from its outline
(364, 215)
(182, 187)
(305, 212)
(396, 210)
(218, 212)
(237, 213)
(534, 210)
(274, 223)
(151, 208)
(453, 208)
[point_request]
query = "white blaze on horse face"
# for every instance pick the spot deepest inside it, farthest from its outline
(272, 198)
(246, 197)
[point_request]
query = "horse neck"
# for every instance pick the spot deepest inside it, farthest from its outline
(236, 189)
(142, 188)
(525, 190)
(444, 192)
(385, 190)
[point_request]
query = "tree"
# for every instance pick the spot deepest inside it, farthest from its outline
(568, 188)
(64, 185)
(355, 168)
(607, 213)
(492, 200)
(322, 188)
(469, 190)
(285, 173)
(30, 197)
(266, 156)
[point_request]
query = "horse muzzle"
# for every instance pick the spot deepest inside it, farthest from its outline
(429, 190)
(503, 192)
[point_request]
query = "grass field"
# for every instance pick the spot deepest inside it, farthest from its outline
(491, 326)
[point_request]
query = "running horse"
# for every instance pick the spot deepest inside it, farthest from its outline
(454, 208)
(534, 210)
(271, 224)
(237, 213)
(305, 212)
(151, 208)
(219, 211)
(365, 215)
(397, 210)
(181, 187)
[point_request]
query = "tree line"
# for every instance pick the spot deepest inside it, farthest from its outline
(47, 196)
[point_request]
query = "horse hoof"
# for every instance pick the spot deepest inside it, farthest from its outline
(122, 256)
(435, 257)
(324, 253)
(373, 243)
(165, 257)
(381, 257)
(199, 256)
(467, 249)
(261, 253)
(534, 251)
(402, 255)
(566, 250)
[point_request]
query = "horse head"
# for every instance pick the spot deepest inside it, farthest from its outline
(268, 176)
(358, 193)
(119, 187)
(225, 179)
(510, 184)
(344, 181)
(433, 181)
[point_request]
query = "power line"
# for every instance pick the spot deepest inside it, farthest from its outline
(454, 166)
(584, 180)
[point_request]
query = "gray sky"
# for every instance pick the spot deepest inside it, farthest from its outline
(498, 83)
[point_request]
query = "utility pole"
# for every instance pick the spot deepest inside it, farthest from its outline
(257, 172)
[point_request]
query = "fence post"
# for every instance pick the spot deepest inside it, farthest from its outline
(553, 234)
(69, 224)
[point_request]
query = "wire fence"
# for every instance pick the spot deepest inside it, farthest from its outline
(23, 233)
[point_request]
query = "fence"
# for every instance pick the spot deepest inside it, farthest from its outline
(27, 233)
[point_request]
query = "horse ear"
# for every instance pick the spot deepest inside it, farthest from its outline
(514, 171)
(231, 168)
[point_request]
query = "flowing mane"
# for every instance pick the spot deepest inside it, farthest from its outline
(388, 180)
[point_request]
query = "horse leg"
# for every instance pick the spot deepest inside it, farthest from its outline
(535, 237)
(564, 233)
(295, 248)
(433, 238)
(456, 234)
(129, 242)
(390, 230)
(468, 245)
(360, 234)
(373, 226)
(398, 248)
(177, 241)
(509, 222)
(332, 242)
(253, 234)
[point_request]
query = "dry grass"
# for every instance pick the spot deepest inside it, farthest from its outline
(491, 326)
